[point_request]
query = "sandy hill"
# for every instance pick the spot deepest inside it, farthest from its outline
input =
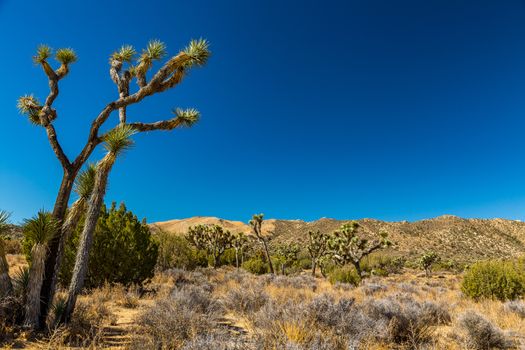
(452, 237)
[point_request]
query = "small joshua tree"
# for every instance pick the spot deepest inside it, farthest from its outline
(317, 247)
(6, 287)
(124, 68)
(347, 247)
(211, 238)
(427, 260)
(239, 242)
(256, 224)
(288, 255)
(38, 230)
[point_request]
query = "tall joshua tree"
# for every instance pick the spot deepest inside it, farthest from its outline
(116, 142)
(39, 230)
(256, 224)
(124, 68)
(6, 287)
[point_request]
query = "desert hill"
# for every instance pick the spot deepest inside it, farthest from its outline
(462, 240)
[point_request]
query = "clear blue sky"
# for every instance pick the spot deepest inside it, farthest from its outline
(347, 109)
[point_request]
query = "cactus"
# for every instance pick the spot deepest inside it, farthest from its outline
(211, 238)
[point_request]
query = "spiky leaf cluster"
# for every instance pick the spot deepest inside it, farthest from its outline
(31, 107)
(198, 52)
(4, 222)
(39, 229)
(187, 117)
(119, 139)
(239, 240)
(43, 52)
(211, 238)
(124, 54)
(66, 56)
(85, 182)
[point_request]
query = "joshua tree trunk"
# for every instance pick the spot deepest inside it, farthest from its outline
(86, 240)
(237, 257)
(267, 253)
(53, 260)
(314, 266)
(6, 287)
(36, 275)
(357, 266)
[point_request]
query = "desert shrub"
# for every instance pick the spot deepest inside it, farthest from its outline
(245, 299)
(323, 310)
(403, 320)
(217, 341)
(85, 328)
(296, 282)
(256, 266)
(123, 250)
(370, 288)
(176, 252)
(344, 274)
(481, 333)
(188, 312)
(12, 245)
(515, 306)
(493, 279)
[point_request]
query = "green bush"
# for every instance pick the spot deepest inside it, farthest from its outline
(382, 264)
(494, 279)
(344, 274)
(176, 252)
(256, 265)
(123, 250)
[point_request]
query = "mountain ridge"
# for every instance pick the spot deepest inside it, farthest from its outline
(452, 237)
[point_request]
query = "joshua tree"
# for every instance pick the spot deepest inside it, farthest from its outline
(170, 74)
(347, 247)
(6, 287)
(427, 260)
(39, 230)
(288, 254)
(116, 142)
(317, 247)
(256, 224)
(211, 238)
(239, 242)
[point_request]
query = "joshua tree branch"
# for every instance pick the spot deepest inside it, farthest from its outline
(159, 125)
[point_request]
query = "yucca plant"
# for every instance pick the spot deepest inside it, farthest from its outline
(116, 141)
(40, 229)
(6, 287)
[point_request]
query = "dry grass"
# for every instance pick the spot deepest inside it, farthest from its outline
(226, 309)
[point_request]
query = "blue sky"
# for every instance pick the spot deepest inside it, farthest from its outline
(395, 110)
